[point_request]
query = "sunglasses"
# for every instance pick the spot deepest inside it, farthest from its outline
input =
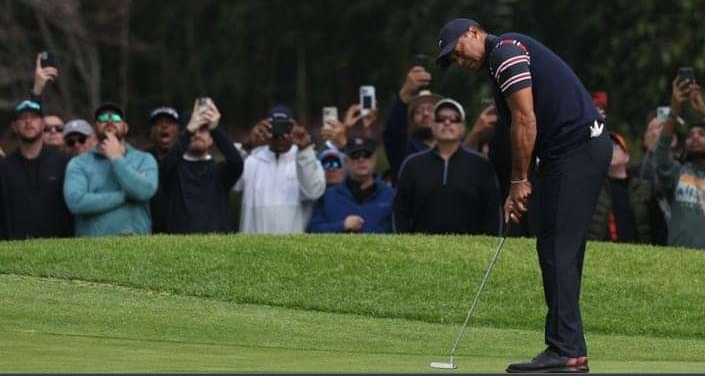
(331, 164)
(55, 128)
(70, 142)
(362, 154)
(443, 119)
(109, 117)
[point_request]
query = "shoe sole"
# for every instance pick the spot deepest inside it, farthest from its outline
(580, 369)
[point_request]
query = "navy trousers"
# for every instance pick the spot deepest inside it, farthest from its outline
(567, 187)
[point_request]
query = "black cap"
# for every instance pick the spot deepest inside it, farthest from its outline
(360, 143)
(449, 36)
(168, 112)
(109, 106)
(28, 105)
(280, 112)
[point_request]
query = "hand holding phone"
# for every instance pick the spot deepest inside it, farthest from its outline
(330, 115)
(687, 74)
(47, 59)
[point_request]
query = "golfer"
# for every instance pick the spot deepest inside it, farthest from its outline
(551, 117)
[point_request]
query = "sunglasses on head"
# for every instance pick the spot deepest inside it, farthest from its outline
(107, 116)
(70, 142)
(55, 128)
(331, 163)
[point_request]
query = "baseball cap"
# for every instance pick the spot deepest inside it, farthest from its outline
(109, 106)
(449, 36)
(78, 126)
(280, 112)
(358, 143)
(331, 158)
(169, 112)
(28, 105)
(450, 103)
(422, 96)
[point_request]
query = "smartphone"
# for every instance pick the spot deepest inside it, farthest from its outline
(281, 127)
(330, 113)
(367, 99)
(202, 102)
(687, 73)
(662, 113)
(47, 59)
(421, 60)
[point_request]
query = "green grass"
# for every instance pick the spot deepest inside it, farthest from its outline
(330, 304)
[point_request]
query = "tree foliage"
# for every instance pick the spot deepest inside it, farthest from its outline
(250, 54)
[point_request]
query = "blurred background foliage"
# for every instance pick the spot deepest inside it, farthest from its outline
(250, 54)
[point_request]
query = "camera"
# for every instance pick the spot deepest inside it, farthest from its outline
(687, 73)
(281, 127)
(47, 59)
(367, 99)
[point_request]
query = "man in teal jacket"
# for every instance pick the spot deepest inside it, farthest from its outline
(109, 187)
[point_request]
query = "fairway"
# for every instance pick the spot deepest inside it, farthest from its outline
(53, 325)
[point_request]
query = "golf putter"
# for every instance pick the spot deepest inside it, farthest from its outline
(450, 364)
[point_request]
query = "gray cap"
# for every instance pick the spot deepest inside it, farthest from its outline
(78, 126)
(450, 103)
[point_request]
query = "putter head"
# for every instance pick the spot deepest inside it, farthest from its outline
(443, 365)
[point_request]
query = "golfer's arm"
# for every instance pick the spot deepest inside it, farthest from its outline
(523, 131)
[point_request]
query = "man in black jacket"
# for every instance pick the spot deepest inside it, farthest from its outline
(31, 182)
(196, 186)
(448, 188)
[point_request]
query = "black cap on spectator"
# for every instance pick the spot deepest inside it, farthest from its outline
(28, 105)
(109, 106)
(360, 143)
(280, 112)
(168, 112)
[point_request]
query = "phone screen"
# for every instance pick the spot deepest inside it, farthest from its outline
(662, 112)
(47, 59)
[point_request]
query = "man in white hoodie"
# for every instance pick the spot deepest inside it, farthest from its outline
(282, 179)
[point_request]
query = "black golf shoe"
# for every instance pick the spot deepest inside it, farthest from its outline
(549, 362)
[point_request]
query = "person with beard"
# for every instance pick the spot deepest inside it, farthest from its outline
(163, 132)
(31, 180)
(196, 187)
(684, 181)
(282, 179)
(408, 127)
(108, 188)
(447, 189)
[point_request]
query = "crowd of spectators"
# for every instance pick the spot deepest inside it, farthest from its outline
(447, 171)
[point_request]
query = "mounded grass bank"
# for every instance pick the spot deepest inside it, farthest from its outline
(627, 290)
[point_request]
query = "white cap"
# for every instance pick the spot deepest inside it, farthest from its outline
(447, 102)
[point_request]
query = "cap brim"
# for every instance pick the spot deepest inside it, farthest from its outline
(443, 59)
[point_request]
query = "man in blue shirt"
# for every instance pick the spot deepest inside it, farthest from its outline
(108, 188)
(551, 118)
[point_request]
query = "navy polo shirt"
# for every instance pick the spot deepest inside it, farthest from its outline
(563, 108)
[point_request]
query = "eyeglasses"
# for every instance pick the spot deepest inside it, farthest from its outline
(362, 154)
(55, 128)
(70, 142)
(331, 163)
(443, 119)
(108, 116)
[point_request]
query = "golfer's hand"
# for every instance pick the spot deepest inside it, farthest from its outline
(416, 78)
(517, 202)
(353, 223)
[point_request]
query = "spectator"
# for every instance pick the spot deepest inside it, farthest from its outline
(195, 186)
(363, 203)
(282, 179)
(482, 132)
(408, 128)
(332, 162)
(447, 189)
(684, 181)
(79, 137)
(53, 131)
(108, 188)
(622, 210)
(163, 132)
(31, 177)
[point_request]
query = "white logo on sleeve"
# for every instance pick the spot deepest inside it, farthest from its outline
(596, 129)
